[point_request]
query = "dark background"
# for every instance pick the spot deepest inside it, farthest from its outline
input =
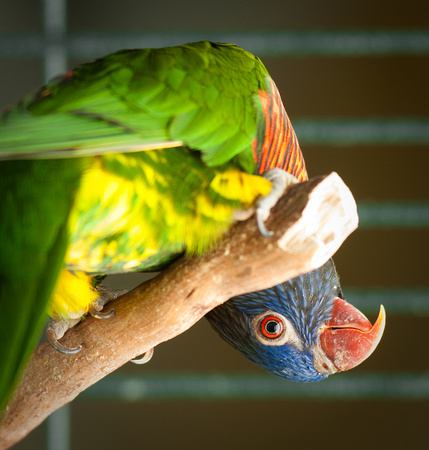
(316, 86)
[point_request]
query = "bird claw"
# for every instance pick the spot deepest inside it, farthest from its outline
(101, 314)
(56, 330)
(106, 296)
(280, 180)
(261, 225)
(65, 350)
(144, 358)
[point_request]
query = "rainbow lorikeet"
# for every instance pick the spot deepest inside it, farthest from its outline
(129, 161)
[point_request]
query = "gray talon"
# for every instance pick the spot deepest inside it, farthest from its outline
(144, 358)
(57, 329)
(106, 296)
(102, 314)
(53, 340)
(261, 225)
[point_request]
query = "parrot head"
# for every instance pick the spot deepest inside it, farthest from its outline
(301, 330)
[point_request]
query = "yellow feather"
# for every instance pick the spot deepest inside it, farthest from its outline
(117, 222)
(236, 185)
(73, 295)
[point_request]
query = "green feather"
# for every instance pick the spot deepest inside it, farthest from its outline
(141, 99)
(201, 98)
(34, 240)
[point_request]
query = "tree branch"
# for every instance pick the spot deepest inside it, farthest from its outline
(309, 222)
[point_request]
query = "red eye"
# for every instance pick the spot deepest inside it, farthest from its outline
(272, 327)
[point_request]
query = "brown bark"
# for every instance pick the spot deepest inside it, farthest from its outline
(309, 222)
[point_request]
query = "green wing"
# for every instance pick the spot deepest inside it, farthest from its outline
(202, 95)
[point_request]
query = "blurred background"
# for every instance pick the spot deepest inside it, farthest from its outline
(354, 79)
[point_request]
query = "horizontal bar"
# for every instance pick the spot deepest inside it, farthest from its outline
(245, 386)
(278, 43)
(263, 43)
(412, 301)
(397, 131)
(22, 46)
(393, 215)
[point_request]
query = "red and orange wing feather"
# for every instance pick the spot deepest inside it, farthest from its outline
(280, 147)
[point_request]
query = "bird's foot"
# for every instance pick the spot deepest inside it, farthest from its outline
(57, 328)
(280, 180)
(106, 296)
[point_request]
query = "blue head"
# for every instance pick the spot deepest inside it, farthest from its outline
(279, 328)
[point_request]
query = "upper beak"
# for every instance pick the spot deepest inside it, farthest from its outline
(348, 338)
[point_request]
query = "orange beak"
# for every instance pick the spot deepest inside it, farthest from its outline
(349, 338)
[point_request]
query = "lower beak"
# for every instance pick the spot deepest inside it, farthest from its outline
(348, 338)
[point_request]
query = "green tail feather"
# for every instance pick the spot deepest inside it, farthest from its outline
(33, 240)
